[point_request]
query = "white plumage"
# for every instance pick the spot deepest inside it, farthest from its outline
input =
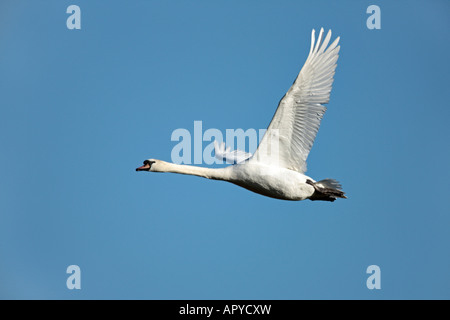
(277, 168)
(297, 119)
(233, 157)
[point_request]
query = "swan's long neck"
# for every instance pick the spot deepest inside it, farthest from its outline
(209, 173)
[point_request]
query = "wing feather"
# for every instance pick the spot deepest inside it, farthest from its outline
(233, 157)
(293, 129)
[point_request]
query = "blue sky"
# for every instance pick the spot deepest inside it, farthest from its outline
(80, 109)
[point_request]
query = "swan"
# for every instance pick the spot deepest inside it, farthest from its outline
(277, 168)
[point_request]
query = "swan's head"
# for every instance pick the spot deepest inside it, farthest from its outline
(147, 165)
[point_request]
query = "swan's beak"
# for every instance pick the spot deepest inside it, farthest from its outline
(145, 167)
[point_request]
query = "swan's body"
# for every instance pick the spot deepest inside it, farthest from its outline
(277, 168)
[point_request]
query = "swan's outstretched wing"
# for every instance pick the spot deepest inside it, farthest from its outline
(233, 157)
(292, 131)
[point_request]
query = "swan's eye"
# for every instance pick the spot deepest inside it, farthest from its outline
(149, 162)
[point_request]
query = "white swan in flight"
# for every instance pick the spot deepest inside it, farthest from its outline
(277, 168)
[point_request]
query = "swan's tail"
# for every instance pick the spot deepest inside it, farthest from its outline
(326, 190)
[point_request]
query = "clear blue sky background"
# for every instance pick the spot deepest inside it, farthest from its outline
(80, 109)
